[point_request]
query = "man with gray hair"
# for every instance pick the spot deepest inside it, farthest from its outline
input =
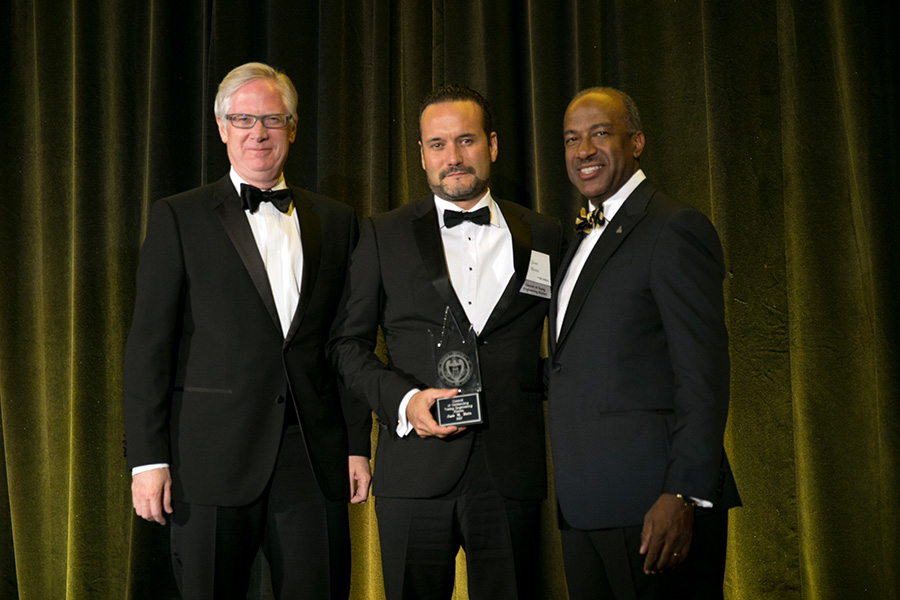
(236, 429)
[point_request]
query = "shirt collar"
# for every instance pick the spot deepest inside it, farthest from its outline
(612, 204)
(237, 180)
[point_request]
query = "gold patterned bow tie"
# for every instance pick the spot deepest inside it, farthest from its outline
(585, 222)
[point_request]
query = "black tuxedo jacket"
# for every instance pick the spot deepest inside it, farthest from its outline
(638, 378)
(207, 368)
(398, 279)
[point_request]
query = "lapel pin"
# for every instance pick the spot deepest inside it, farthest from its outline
(619, 230)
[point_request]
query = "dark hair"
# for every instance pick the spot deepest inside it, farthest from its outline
(632, 116)
(458, 93)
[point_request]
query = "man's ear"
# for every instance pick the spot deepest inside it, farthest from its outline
(638, 142)
(223, 130)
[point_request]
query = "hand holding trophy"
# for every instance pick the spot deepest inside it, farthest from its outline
(456, 366)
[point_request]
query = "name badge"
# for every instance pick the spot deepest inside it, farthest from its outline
(537, 281)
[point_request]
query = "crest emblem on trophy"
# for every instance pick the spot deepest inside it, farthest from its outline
(455, 369)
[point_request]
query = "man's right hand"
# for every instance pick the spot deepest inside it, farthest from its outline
(418, 413)
(151, 494)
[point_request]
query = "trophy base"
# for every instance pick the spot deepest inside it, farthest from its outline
(462, 409)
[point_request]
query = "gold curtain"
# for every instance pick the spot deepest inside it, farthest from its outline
(778, 118)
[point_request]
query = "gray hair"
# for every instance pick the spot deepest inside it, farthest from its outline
(632, 116)
(244, 74)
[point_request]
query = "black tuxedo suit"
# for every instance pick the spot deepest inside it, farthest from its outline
(399, 279)
(208, 371)
(638, 376)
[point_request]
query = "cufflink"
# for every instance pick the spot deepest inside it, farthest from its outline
(687, 501)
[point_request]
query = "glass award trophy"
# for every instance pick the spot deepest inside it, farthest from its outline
(456, 366)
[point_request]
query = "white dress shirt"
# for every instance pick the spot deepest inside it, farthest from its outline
(277, 236)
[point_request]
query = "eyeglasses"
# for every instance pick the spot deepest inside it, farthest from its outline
(244, 121)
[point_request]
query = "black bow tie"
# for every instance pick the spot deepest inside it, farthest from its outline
(482, 216)
(251, 197)
(585, 222)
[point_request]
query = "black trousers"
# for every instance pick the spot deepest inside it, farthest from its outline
(604, 564)
(305, 538)
(420, 538)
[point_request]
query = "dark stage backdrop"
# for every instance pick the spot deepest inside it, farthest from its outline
(777, 118)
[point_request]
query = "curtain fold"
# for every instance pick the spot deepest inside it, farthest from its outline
(778, 119)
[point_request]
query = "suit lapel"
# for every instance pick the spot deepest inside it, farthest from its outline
(228, 207)
(311, 239)
(520, 231)
(554, 299)
(631, 213)
(431, 249)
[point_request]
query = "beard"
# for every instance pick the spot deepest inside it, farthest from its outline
(460, 193)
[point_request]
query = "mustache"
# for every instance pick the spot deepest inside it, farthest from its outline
(582, 161)
(463, 169)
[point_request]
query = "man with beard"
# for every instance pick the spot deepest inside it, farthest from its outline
(460, 260)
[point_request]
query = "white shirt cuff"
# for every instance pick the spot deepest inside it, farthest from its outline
(143, 468)
(403, 426)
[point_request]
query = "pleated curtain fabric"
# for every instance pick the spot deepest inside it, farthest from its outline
(778, 119)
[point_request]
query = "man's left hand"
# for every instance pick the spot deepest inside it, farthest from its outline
(360, 477)
(666, 536)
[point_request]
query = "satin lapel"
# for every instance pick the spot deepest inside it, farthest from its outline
(521, 244)
(234, 221)
(554, 299)
(311, 239)
(428, 239)
(615, 233)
